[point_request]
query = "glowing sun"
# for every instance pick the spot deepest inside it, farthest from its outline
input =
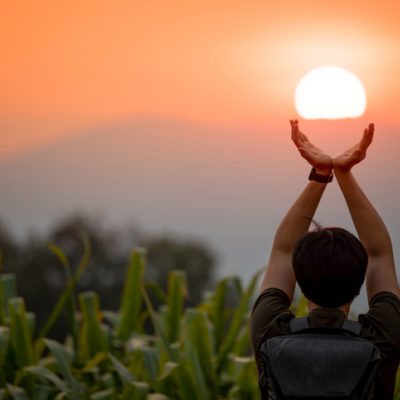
(330, 93)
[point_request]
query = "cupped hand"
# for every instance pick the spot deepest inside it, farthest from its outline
(346, 160)
(321, 161)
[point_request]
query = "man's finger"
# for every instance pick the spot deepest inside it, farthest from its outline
(367, 137)
(371, 127)
(295, 136)
(303, 137)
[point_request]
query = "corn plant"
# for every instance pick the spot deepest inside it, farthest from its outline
(191, 353)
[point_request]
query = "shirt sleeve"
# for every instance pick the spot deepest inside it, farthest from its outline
(269, 316)
(383, 318)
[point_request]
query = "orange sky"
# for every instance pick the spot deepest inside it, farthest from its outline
(215, 83)
(66, 66)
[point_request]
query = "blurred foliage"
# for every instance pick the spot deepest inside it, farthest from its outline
(197, 352)
(39, 270)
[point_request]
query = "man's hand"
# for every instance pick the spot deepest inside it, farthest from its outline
(345, 161)
(321, 161)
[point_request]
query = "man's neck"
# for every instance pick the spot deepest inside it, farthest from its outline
(345, 307)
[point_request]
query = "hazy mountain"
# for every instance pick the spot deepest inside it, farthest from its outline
(201, 181)
(228, 187)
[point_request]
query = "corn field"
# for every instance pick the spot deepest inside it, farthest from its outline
(199, 353)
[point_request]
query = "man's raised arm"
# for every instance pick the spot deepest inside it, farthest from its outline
(372, 232)
(296, 223)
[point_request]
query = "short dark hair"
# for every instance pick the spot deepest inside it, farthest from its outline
(330, 265)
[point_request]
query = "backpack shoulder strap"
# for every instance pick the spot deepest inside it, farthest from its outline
(353, 327)
(302, 323)
(298, 324)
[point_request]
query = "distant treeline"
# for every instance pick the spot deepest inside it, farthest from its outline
(41, 276)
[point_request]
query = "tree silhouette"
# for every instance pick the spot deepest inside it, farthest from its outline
(41, 277)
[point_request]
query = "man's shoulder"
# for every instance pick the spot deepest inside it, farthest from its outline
(272, 297)
(382, 321)
(270, 316)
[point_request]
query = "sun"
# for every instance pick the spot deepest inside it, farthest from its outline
(330, 93)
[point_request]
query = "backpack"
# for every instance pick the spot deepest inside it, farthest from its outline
(319, 363)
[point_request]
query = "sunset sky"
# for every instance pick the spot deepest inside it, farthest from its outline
(69, 65)
(227, 68)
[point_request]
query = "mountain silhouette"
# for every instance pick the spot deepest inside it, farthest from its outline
(169, 176)
(229, 187)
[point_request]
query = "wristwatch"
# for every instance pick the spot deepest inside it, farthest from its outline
(320, 178)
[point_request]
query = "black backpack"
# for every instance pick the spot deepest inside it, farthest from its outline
(319, 363)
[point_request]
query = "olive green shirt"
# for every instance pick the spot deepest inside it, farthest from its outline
(381, 325)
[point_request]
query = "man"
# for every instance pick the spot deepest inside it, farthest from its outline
(330, 263)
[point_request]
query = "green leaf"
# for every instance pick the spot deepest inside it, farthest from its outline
(4, 345)
(150, 362)
(62, 257)
(107, 380)
(397, 386)
(198, 351)
(218, 312)
(236, 323)
(242, 344)
(135, 391)
(176, 290)
(95, 361)
(7, 291)
(20, 332)
(131, 298)
(69, 290)
(17, 393)
(103, 394)
(157, 396)
(157, 325)
(177, 382)
(61, 395)
(196, 371)
(31, 317)
(71, 304)
(64, 358)
(144, 363)
(43, 372)
(123, 372)
(4, 337)
(92, 338)
(246, 382)
(156, 290)
(42, 392)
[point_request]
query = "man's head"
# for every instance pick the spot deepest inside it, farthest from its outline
(330, 266)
